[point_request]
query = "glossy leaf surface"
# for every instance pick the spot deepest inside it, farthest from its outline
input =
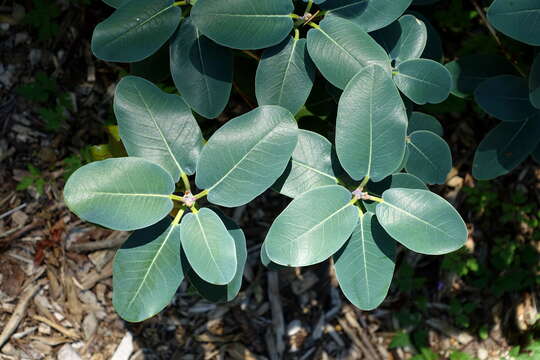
(429, 157)
(157, 126)
(311, 166)
(400, 180)
(313, 227)
(404, 39)
(505, 147)
(221, 293)
(421, 121)
(285, 75)
(244, 24)
(209, 247)
(505, 97)
(340, 49)
(365, 265)
(201, 69)
(147, 271)
(135, 30)
(423, 81)
(371, 125)
(247, 155)
(518, 19)
(371, 15)
(421, 221)
(121, 193)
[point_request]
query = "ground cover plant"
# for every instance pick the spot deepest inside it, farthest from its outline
(353, 198)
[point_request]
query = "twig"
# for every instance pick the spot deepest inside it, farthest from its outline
(277, 311)
(19, 313)
(67, 332)
(7, 213)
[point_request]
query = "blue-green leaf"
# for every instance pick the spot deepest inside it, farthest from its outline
(400, 180)
(421, 221)
(429, 157)
(312, 228)
(371, 125)
(121, 193)
(209, 247)
(147, 271)
(421, 121)
(247, 155)
(340, 49)
(135, 30)
(534, 83)
(244, 24)
(518, 19)
(285, 75)
(201, 69)
(157, 126)
(423, 81)
(365, 264)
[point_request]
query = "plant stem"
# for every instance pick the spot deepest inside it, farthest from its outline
(376, 199)
(176, 197)
(315, 26)
(251, 55)
(296, 34)
(178, 216)
(363, 183)
(360, 213)
(294, 16)
(194, 209)
(308, 7)
(185, 180)
(181, 3)
(201, 194)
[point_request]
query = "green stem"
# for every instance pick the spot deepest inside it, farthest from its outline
(296, 34)
(376, 199)
(181, 3)
(360, 212)
(313, 25)
(176, 198)
(294, 16)
(363, 183)
(194, 209)
(309, 5)
(201, 194)
(185, 180)
(178, 216)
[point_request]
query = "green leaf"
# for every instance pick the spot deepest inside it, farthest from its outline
(157, 126)
(505, 147)
(421, 121)
(470, 71)
(265, 260)
(400, 180)
(365, 265)
(505, 97)
(429, 157)
(209, 247)
(312, 165)
(312, 227)
(147, 271)
(422, 221)
(370, 14)
(285, 75)
(121, 194)
(201, 69)
(404, 39)
(244, 24)
(534, 83)
(517, 19)
(433, 50)
(423, 81)
(247, 155)
(340, 49)
(136, 30)
(371, 125)
(221, 293)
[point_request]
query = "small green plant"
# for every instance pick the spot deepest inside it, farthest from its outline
(35, 180)
(352, 200)
(43, 18)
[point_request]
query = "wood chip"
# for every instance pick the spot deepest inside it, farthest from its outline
(67, 332)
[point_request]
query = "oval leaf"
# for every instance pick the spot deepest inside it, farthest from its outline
(312, 228)
(505, 147)
(310, 166)
(221, 293)
(371, 125)
(423, 81)
(265, 260)
(400, 180)
(429, 157)
(505, 97)
(285, 75)
(534, 83)
(422, 221)
(244, 24)
(371, 15)
(247, 155)
(157, 126)
(121, 194)
(518, 19)
(421, 121)
(136, 30)
(209, 247)
(470, 71)
(147, 271)
(365, 265)
(340, 49)
(404, 39)
(202, 70)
